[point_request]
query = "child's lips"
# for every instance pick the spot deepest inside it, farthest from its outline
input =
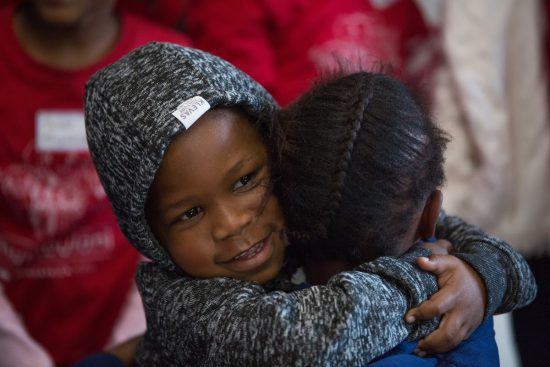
(253, 257)
(251, 252)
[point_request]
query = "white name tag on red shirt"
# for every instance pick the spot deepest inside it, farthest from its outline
(60, 131)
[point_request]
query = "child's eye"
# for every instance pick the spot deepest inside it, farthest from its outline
(190, 214)
(245, 181)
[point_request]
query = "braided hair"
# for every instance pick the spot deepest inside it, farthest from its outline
(355, 156)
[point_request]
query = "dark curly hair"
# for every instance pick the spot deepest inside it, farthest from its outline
(355, 158)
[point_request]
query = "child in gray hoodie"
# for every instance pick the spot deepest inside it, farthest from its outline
(176, 137)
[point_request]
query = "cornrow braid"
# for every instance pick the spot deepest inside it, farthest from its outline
(364, 95)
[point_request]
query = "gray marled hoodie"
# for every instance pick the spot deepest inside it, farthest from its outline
(357, 316)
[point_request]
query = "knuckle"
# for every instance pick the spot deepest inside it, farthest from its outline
(445, 261)
(444, 246)
(439, 308)
(451, 301)
(447, 245)
(435, 260)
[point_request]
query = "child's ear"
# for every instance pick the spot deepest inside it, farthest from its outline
(428, 220)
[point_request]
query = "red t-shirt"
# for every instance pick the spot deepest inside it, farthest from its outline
(64, 263)
(286, 44)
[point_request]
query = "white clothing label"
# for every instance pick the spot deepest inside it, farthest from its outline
(60, 131)
(191, 110)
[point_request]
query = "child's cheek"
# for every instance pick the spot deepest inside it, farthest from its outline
(193, 253)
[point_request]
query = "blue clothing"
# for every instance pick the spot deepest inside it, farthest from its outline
(100, 360)
(480, 349)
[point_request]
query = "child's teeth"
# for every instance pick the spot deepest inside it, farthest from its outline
(250, 252)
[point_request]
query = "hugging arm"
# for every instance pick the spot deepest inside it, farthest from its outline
(507, 277)
(356, 317)
(491, 277)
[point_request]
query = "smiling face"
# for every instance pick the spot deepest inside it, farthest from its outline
(210, 204)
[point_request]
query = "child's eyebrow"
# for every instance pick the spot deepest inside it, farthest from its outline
(238, 166)
(180, 203)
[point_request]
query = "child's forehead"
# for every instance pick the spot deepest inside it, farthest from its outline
(219, 143)
(228, 127)
(221, 112)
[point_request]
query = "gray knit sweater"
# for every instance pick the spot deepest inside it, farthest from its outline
(357, 316)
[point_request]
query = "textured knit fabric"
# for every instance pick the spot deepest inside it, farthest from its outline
(508, 279)
(65, 265)
(479, 349)
(226, 322)
(357, 316)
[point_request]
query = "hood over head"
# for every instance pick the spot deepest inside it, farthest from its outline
(136, 106)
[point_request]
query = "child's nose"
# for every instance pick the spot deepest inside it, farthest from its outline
(230, 220)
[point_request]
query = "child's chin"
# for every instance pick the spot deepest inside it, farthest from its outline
(266, 278)
(266, 275)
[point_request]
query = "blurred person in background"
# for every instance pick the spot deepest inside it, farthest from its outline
(286, 44)
(484, 62)
(66, 270)
(491, 95)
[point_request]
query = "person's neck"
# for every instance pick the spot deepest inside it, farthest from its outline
(70, 47)
(320, 271)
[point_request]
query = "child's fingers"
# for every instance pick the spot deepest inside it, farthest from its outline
(437, 264)
(450, 333)
(445, 245)
(438, 304)
(439, 247)
(425, 263)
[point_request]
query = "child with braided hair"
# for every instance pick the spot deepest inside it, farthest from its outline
(176, 136)
(360, 164)
(349, 150)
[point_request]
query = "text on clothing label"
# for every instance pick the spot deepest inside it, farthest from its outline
(191, 110)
